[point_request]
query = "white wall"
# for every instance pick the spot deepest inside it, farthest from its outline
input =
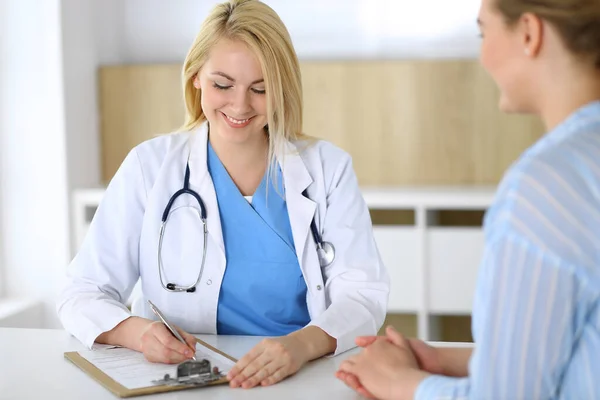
(22, 313)
(109, 31)
(33, 202)
(3, 101)
(79, 55)
(158, 31)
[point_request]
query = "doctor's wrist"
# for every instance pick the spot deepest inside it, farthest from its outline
(315, 342)
(127, 333)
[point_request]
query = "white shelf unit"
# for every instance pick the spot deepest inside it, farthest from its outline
(433, 268)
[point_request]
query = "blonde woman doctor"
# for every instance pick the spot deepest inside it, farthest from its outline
(221, 221)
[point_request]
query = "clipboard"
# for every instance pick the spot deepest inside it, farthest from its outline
(121, 391)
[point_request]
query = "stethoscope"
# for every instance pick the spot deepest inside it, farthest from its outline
(325, 250)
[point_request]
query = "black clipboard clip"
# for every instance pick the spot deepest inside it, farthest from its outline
(192, 373)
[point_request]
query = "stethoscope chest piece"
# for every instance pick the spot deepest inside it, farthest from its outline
(326, 254)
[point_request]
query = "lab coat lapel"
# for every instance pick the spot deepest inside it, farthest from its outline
(201, 182)
(301, 210)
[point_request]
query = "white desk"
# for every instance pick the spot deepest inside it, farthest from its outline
(32, 366)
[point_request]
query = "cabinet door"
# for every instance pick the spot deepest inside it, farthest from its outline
(453, 256)
(399, 249)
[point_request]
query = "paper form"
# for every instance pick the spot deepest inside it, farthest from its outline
(132, 370)
(98, 346)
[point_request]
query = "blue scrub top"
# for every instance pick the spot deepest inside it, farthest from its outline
(263, 291)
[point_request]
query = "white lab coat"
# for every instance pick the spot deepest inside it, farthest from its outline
(346, 299)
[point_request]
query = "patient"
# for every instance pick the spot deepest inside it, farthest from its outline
(536, 319)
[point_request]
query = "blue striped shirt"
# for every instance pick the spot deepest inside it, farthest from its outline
(536, 314)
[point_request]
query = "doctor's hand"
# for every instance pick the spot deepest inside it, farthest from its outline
(159, 345)
(269, 362)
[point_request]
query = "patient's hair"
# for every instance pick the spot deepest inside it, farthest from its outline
(577, 22)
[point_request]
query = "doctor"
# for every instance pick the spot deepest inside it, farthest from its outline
(222, 220)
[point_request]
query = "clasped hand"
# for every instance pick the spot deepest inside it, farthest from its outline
(388, 366)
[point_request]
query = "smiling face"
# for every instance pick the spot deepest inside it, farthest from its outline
(233, 93)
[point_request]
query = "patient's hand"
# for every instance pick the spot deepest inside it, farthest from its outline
(428, 357)
(385, 369)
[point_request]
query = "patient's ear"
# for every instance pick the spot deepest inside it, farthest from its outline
(532, 32)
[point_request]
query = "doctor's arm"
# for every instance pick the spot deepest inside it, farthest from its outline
(102, 275)
(356, 283)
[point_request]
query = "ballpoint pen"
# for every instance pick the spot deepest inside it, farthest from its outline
(156, 311)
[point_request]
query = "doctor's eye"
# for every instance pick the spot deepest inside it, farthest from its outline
(258, 91)
(220, 87)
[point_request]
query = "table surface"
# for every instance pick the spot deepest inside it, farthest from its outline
(32, 366)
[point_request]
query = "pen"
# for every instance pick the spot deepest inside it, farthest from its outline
(156, 311)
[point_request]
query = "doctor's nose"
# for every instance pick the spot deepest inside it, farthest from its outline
(240, 103)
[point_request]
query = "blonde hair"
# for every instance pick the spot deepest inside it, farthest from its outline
(577, 21)
(260, 28)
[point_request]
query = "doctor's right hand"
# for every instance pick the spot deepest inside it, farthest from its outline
(159, 345)
(152, 338)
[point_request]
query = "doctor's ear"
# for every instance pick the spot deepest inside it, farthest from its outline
(196, 82)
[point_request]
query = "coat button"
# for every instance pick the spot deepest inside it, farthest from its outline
(319, 287)
(209, 282)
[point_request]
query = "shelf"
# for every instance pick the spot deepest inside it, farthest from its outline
(431, 197)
